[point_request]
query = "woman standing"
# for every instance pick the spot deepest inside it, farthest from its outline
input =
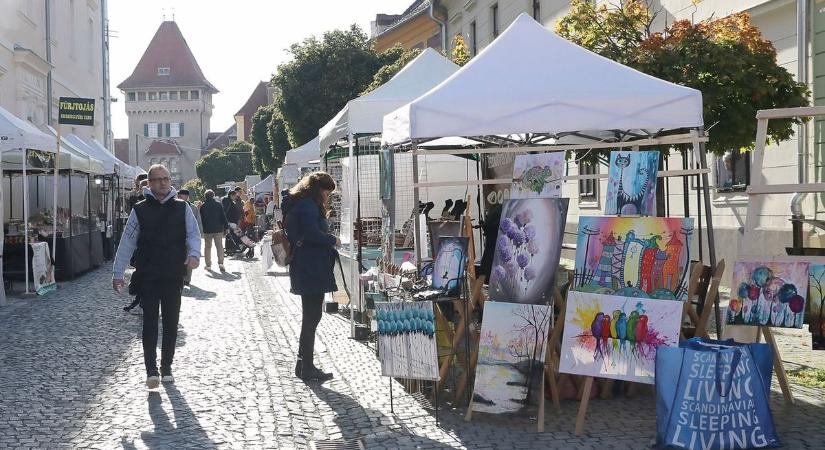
(306, 208)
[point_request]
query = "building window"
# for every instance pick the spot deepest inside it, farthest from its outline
(130, 97)
(184, 95)
(173, 165)
(151, 130)
(494, 12)
(153, 95)
(588, 189)
(537, 10)
(164, 95)
(163, 71)
(141, 96)
(173, 95)
(473, 38)
(194, 95)
(733, 171)
(175, 130)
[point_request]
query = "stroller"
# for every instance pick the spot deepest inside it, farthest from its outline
(241, 241)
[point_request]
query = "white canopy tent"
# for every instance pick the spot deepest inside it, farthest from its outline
(529, 80)
(266, 185)
(305, 156)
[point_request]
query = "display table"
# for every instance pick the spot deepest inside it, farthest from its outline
(75, 255)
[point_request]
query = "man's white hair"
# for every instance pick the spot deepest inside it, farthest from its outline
(157, 167)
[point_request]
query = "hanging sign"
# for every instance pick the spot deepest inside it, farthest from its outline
(76, 111)
(42, 268)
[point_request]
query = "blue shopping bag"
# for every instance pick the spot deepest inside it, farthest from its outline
(713, 395)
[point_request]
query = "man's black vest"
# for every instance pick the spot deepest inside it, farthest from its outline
(161, 246)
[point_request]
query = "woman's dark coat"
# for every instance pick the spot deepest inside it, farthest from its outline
(311, 269)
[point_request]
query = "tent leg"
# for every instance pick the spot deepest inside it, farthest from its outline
(353, 259)
(416, 199)
(2, 240)
(703, 164)
(26, 220)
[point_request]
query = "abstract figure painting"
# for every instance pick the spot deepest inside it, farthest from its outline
(609, 336)
(448, 267)
(631, 185)
(510, 356)
(528, 249)
(646, 257)
(406, 340)
(816, 305)
(538, 176)
(768, 293)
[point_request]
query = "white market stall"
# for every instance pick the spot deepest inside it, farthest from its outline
(300, 161)
(530, 90)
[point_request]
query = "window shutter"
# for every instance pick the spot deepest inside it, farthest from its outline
(145, 130)
(181, 129)
(167, 130)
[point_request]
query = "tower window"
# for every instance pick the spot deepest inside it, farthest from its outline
(163, 71)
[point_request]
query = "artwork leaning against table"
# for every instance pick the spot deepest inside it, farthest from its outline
(448, 268)
(816, 305)
(768, 293)
(406, 340)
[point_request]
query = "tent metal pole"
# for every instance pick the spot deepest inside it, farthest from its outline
(703, 163)
(353, 262)
(54, 198)
(2, 237)
(416, 199)
(26, 219)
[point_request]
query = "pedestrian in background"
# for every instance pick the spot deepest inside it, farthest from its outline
(136, 194)
(306, 208)
(183, 194)
(214, 224)
(163, 235)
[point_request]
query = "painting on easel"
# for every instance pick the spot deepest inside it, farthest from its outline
(644, 257)
(528, 249)
(406, 340)
(816, 305)
(510, 356)
(631, 185)
(608, 336)
(448, 268)
(538, 176)
(769, 293)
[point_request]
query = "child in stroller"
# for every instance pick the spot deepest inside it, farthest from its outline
(241, 241)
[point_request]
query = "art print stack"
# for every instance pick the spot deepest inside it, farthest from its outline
(406, 340)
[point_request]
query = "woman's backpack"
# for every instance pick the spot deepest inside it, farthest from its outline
(281, 247)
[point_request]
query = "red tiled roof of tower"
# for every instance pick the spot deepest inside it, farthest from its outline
(158, 147)
(168, 49)
(259, 98)
(227, 137)
(122, 150)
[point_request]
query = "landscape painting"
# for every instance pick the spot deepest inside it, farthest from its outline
(768, 293)
(510, 356)
(448, 268)
(631, 183)
(609, 336)
(816, 305)
(528, 249)
(406, 340)
(538, 176)
(645, 257)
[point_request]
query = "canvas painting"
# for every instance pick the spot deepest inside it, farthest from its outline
(528, 249)
(631, 183)
(406, 340)
(510, 356)
(816, 305)
(768, 293)
(609, 336)
(442, 228)
(449, 264)
(538, 176)
(645, 257)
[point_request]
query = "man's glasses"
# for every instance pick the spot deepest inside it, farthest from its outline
(164, 179)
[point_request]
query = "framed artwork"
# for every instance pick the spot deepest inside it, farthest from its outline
(609, 336)
(816, 305)
(406, 340)
(538, 176)
(528, 249)
(448, 268)
(510, 356)
(768, 293)
(631, 183)
(645, 257)
(442, 228)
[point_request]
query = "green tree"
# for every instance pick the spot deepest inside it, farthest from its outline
(278, 139)
(399, 58)
(262, 158)
(726, 58)
(321, 77)
(232, 163)
(196, 189)
(461, 53)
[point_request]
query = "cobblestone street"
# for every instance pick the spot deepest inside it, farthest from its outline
(71, 376)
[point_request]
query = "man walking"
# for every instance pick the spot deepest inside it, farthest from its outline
(233, 216)
(214, 224)
(163, 234)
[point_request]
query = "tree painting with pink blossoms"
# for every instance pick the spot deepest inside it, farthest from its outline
(528, 249)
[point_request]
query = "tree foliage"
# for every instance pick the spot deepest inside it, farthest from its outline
(232, 163)
(726, 58)
(196, 189)
(399, 58)
(262, 159)
(321, 77)
(461, 53)
(278, 139)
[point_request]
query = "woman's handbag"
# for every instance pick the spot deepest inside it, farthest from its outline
(281, 247)
(714, 395)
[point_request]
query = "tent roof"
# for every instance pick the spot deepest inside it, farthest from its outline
(365, 113)
(16, 133)
(79, 159)
(126, 169)
(106, 159)
(305, 153)
(530, 80)
(264, 185)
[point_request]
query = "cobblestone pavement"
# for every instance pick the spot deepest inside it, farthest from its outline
(71, 376)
